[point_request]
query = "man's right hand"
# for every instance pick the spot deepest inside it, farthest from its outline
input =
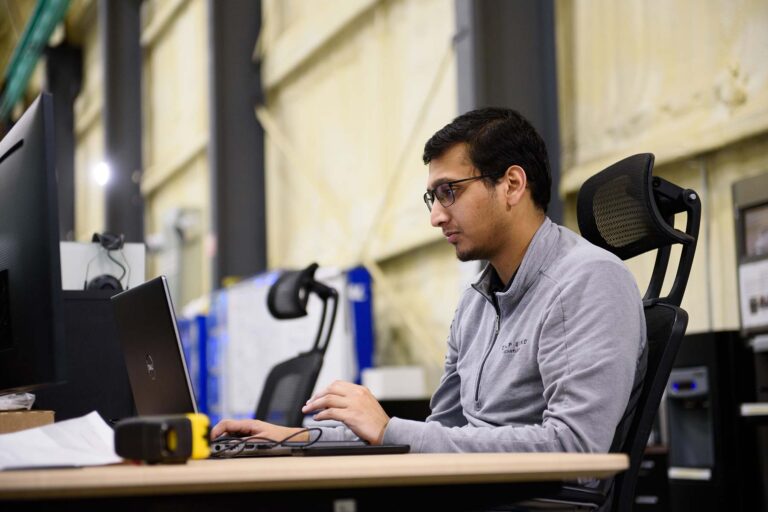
(245, 428)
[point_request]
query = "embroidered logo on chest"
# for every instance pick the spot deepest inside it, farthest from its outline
(514, 346)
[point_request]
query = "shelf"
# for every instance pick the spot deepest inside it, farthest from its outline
(756, 409)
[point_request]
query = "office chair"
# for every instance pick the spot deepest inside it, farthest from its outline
(628, 211)
(290, 383)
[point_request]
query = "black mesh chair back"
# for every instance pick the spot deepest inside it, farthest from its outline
(287, 388)
(290, 383)
(628, 211)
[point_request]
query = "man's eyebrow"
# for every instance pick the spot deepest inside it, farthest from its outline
(440, 181)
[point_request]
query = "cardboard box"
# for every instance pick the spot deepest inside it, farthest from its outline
(13, 421)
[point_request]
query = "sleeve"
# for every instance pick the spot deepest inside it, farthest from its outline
(592, 335)
(445, 404)
(588, 364)
(446, 401)
(335, 433)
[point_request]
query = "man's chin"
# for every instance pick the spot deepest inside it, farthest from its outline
(466, 255)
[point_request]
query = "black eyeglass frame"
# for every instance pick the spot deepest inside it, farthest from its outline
(430, 196)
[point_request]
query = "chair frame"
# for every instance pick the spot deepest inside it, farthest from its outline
(287, 299)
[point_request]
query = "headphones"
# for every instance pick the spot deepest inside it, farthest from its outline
(109, 242)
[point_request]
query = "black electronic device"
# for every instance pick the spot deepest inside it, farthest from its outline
(97, 378)
(713, 455)
(109, 242)
(154, 357)
(233, 447)
(31, 328)
(163, 439)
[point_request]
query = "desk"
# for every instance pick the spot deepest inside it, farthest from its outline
(357, 482)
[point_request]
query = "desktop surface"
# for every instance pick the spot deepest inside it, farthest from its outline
(298, 473)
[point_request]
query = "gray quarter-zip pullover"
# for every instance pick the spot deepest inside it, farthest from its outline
(547, 366)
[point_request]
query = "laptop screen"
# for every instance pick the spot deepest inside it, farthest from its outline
(146, 326)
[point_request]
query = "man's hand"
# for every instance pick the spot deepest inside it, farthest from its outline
(245, 428)
(353, 405)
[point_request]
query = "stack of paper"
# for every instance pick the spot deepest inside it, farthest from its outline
(84, 441)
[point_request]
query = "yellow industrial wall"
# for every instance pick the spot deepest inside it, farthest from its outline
(174, 137)
(687, 81)
(353, 90)
(174, 41)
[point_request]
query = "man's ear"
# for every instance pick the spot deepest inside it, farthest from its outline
(516, 182)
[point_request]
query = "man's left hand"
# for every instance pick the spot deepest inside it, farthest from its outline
(353, 405)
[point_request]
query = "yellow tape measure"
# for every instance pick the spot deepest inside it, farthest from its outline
(163, 439)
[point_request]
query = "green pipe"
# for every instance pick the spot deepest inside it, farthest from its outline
(47, 14)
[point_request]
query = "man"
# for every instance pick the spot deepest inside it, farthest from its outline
(544, 350)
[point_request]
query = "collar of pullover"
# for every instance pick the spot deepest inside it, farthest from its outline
(538, 256)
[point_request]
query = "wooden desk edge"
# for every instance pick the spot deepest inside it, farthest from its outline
(280, 474)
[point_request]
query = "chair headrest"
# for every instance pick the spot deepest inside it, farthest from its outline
(288, 297)
(628, 211)
(617, 210)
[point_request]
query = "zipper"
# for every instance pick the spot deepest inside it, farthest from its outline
(487, 353)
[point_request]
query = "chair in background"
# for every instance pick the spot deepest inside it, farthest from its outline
(628, 211)
(289, 384)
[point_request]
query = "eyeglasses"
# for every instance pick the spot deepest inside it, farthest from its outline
(444, 192)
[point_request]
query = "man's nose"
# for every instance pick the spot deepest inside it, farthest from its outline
(439, 214)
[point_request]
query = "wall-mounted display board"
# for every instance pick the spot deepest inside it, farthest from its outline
(750, 202)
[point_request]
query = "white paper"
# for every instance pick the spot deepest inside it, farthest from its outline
(84, 441)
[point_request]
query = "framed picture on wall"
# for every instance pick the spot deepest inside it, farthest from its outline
(756, 231)
(753, 295)
(750, 202)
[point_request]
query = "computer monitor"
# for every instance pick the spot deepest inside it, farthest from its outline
(31, 327)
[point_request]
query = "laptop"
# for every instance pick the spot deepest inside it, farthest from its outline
(157, 371)
(160, 383)
(234, 447)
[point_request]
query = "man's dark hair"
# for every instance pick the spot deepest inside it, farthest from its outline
(497, 138)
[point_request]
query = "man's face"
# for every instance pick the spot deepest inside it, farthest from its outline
(472, 223)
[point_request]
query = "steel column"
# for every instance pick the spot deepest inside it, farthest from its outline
(120, 37)
(236, 148)
(505, 53)
(64, 78)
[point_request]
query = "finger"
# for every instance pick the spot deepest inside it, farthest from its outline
(234, 427)
(342, 387)
(315, 405)
(221, 428)
(325, 402)
(320, 394)
(330, 414)
(337, 387)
